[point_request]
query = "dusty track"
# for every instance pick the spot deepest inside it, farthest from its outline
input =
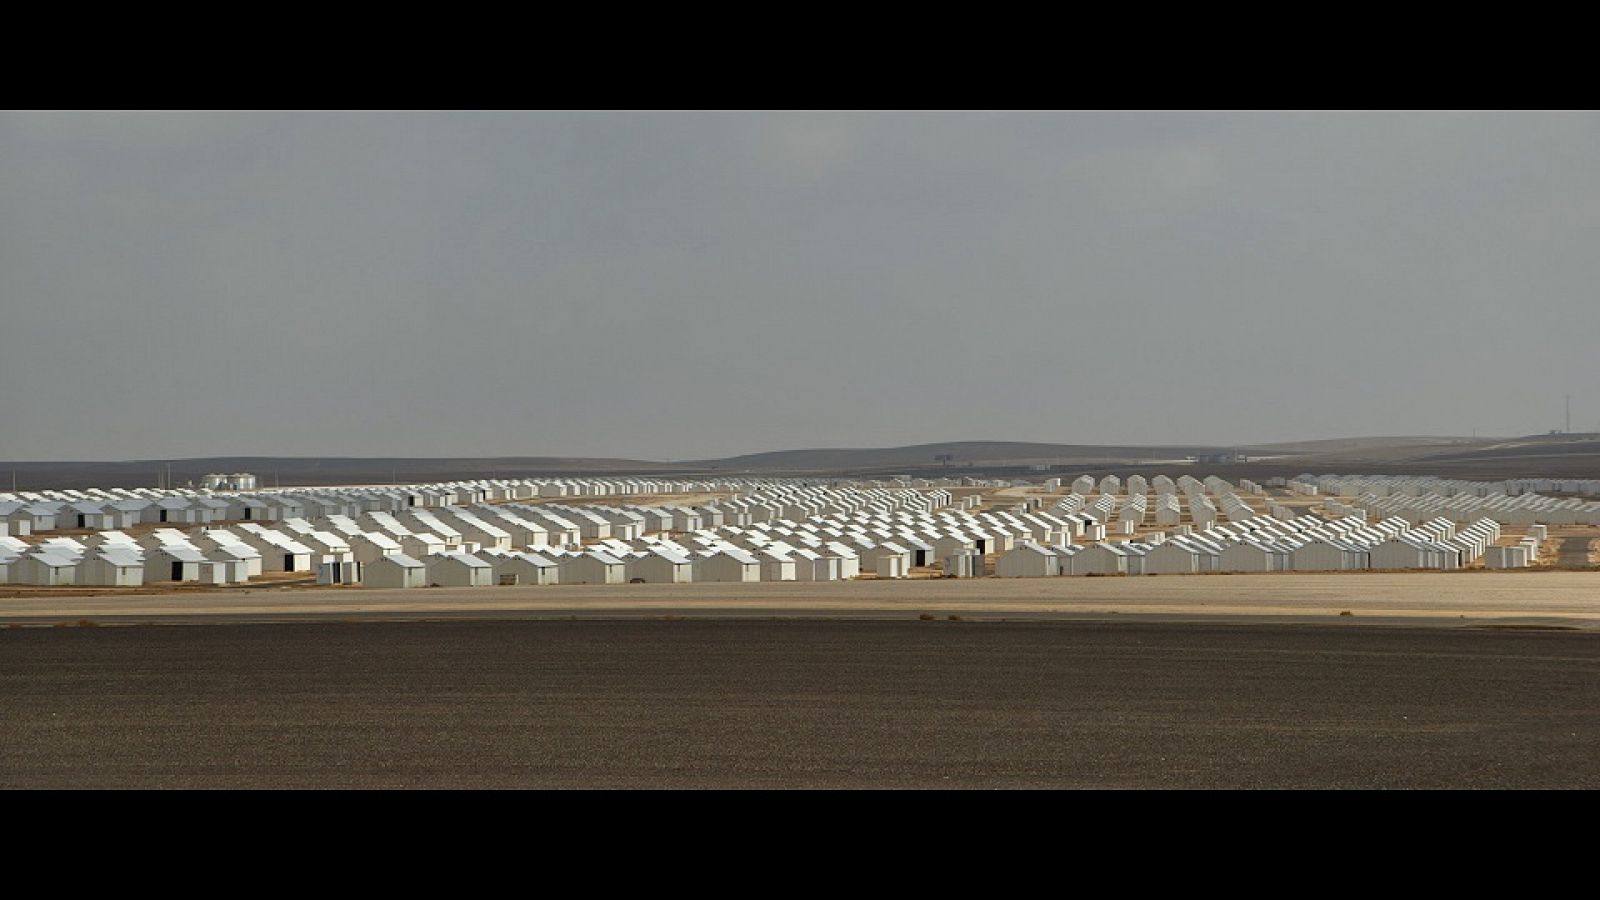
(1572, 596)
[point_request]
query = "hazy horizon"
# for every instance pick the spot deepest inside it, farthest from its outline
(1174, 444)
(669, 286)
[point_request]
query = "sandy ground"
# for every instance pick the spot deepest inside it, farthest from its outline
(1475, 595)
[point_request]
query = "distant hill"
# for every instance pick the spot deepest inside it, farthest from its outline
(962, 453)
(1363, 444)
(310, 471)
(1553, 445)
(1575, 455)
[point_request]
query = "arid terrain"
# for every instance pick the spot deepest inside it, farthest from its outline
(652, 704)
(1573, 598)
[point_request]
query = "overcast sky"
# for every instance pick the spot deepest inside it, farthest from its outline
(670, 286)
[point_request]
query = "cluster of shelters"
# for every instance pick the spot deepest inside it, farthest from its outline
(1306, 543)
(891, 543)
(347, 541)
(558, 543)
(1198, 502)
(100, 509)
(1416, 499)
(1418, 485)
(543, 531)
(116, 559)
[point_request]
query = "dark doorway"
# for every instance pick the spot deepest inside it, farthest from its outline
(288, 562)
(983, 545)
(163, 515)
(82, 520)
(177, 571)
(922, 557)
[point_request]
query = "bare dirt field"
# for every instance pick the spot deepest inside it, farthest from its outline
(718, 704)
(1569, 596)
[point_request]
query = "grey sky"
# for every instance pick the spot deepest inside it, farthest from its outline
(687, 285)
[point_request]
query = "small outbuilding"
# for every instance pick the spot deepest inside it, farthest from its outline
(459, 570)
(394, 570)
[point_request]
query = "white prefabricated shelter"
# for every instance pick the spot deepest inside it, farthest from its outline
(338, 571)
(686, 518)
(422, 544)
(872, 554)
(922, 552)
(1325, 556)
(368, 546)
(287, 507)
(459, 570)
(526, 568)
(279, 551)
(1253, 556)
(810, 565)
(43, 516)
(849, 560)
(15, 518)
(1403, 553)
(1100, 559)
(246, 558)
(113, 566)
(222, 568)
(1173, 558)
(176, 509)
(727, 564)
(891, 565)
(964, 565)
(173, 562)
(395, 570)
(592, 567)
(419, 521)
(92, 514)
(996, 541)
(946, 545)
(1029, 560)
(1506, 557)
(660, 565)
(524, 533)
(488, 535)
(48, 568)
(327, 547)
(776, 566)
(249, 509)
